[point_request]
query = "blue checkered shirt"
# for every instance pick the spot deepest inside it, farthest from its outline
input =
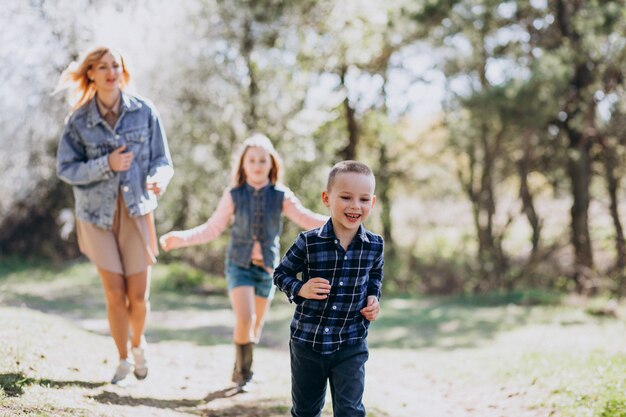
(330, 324)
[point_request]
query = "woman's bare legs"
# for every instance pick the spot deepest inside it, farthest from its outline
(138, 290)
(117, 311)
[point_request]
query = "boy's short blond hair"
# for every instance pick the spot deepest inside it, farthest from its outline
(345, 167)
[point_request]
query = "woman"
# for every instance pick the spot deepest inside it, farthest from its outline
(114, 153)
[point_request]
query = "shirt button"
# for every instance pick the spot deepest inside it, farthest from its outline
(340, 282)
(327, 330)
(334, 307)
(126, 188)
(141, 139)
(345, 257)
(117, 136)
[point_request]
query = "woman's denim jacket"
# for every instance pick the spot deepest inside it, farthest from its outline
(257, 217)
(82, 159)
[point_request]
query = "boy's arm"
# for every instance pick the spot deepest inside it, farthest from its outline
(292, 263)
(375, 281)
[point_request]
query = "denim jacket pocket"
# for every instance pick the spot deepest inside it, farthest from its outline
(137, 142)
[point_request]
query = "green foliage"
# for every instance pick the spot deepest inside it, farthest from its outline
(614, 408)
(184, 278)
(13, 384)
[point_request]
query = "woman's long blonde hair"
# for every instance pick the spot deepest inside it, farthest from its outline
(75, 75)
(260, 141)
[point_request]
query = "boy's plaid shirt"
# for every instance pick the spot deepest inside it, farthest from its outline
(327, 325)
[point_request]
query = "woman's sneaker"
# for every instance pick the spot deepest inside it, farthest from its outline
(122, 371)
(141, 364)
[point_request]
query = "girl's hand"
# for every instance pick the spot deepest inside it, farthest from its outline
(372, 309)
(170, 241)
(315, 289)
(120, 160)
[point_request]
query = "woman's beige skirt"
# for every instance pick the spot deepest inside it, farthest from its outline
(128, 248)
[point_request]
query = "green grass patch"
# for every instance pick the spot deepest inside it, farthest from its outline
(181, 277)
(13, 384)
(529, 297)
(580, 383)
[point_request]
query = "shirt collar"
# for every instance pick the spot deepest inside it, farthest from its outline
(127, 103)
(104, 110)
(328, 232)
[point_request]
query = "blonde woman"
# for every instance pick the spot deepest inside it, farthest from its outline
(114, 154)
(254, 205)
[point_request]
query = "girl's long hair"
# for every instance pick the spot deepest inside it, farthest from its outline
(261, 141)
(75, 75)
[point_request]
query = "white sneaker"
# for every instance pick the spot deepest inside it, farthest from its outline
(141, 363)
(122, 371)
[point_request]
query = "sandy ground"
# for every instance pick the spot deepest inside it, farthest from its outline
(71, 361)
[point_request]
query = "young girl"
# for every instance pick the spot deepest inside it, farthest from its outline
(114, 153)
(256, 201)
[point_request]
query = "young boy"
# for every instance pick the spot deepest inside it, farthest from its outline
(337, 296)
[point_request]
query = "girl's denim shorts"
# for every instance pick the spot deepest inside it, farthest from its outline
(253, 276)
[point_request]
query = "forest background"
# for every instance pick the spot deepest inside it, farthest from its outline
(495, 128)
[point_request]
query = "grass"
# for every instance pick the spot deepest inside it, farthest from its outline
(540, 352)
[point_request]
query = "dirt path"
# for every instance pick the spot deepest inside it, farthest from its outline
(69, 365)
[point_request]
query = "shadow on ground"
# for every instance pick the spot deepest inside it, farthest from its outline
(13, 384)
(197, 406)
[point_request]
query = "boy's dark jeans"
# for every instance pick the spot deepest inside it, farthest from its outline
(345, 369)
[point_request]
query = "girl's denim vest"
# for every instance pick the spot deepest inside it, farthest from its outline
(257, 217)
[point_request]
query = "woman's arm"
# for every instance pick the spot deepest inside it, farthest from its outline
(73, 166)
(205, 232)
(300, 215)
(161, 169)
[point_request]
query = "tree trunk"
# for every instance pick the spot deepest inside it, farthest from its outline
(579, 170)
(383, 191)
(349, 152)
(579, 110)
(611, 163)
(528, 204)
(247, 46)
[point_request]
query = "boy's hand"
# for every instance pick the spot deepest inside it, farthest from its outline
(372, 309)
(170, 241)
(315, 289)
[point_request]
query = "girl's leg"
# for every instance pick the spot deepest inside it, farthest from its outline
(242, 301)
(117, 312)
(261, 307)
(138, 304)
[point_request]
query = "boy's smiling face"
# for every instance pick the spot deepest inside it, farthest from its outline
(350, 200)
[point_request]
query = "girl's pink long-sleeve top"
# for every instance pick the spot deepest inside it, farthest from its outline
(221, 218)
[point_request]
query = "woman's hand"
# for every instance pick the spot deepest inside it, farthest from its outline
(120, 160)
(154, 187)
(170, 241)
(315, 289)
(156, 184)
